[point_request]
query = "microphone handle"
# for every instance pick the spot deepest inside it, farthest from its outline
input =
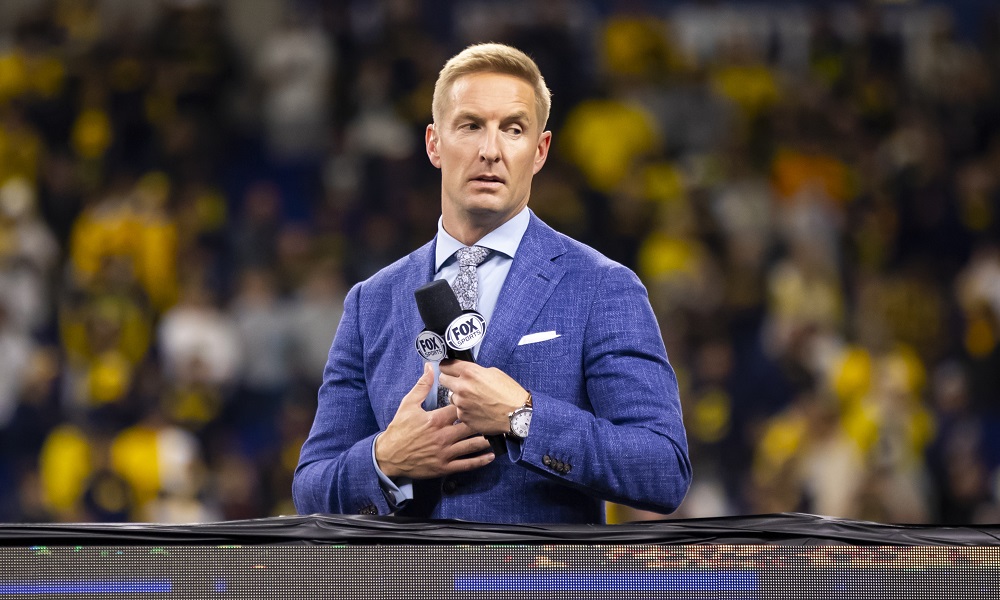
(465, 355)
(497, 444)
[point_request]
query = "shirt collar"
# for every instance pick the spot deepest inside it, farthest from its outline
(504, 239)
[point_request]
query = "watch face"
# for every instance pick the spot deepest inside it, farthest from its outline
(520, 421)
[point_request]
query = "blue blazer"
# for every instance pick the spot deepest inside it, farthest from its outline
(607, 419)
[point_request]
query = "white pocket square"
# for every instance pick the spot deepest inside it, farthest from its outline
(541, 336)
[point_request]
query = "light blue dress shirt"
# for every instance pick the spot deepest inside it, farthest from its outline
(491, 276)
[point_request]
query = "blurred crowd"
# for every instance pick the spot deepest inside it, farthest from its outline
(809, 191)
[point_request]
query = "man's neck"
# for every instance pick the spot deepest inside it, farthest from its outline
(470, 233)
(504, 239)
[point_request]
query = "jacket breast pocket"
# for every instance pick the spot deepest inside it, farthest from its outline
(550, 368)
(540, 350)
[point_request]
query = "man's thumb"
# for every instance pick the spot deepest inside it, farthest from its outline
(422, 387)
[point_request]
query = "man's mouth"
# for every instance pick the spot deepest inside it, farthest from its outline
(488, 179)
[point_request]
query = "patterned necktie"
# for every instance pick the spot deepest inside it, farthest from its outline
(466, 288)
(466, 285)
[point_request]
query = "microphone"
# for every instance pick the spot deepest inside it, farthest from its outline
(439, 307)
(450, 332)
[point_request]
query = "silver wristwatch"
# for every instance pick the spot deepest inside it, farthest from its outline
(520, 420)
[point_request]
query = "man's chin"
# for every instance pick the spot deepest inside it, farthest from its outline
(486, 210)
(489, 216)
(484, 204)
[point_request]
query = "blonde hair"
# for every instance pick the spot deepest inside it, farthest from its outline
(492, 58)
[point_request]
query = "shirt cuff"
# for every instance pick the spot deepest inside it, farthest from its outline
(398, 492)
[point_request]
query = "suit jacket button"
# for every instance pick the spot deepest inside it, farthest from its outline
(567, 467)
(547, 460)
(449, 486)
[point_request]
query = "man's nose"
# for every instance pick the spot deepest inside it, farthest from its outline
(490, 149)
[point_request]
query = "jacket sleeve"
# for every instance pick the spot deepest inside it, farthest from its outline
(336, 473)
(625, 441)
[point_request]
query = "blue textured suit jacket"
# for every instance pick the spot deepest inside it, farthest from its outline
(607, 420)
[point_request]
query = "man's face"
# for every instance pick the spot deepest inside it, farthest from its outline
(488, 145)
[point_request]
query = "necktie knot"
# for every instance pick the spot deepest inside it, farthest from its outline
(472, 256)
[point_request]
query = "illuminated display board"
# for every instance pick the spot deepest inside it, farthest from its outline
(523, 571)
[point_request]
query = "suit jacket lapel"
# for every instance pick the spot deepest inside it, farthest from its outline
(421, 269)
(532, 278)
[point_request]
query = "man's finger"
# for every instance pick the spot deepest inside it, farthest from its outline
(446, 415)
(472, 463)
(457, 431)
(421, 388)
(444, 380)
(472, 445)
(456, 368)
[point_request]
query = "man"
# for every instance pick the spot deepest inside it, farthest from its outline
(572, 369)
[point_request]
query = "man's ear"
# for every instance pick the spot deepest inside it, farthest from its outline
(542, 151)
(431, 142)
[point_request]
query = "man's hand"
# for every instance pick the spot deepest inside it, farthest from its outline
(484, 397)
(422, 444)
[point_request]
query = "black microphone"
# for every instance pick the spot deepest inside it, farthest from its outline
(444, 317)
(439, 307)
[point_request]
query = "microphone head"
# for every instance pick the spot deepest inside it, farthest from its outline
(437, 304)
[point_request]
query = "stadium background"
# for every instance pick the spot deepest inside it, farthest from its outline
(808, 190)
